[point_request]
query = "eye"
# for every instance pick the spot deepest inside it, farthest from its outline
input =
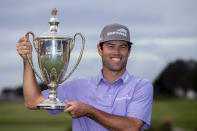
(123, 46)
(110, 45)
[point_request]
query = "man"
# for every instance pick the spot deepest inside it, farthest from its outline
(111, 100)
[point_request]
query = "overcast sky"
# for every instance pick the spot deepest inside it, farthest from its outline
(162, 31)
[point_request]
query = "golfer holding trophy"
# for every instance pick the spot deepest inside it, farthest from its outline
(111, 100)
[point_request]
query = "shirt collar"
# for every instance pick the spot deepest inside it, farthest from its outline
(99, 77)
(124, 78)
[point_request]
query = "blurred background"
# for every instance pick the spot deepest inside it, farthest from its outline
(164, 34)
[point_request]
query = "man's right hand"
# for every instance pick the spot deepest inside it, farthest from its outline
(24, 47)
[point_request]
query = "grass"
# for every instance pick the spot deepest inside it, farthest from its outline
(14, 116)
(181, 112)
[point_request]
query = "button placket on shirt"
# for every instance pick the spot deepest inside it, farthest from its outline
(104, 97)
(107, 92)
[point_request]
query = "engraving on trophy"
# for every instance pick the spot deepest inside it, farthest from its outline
(53, 74)
(53, 50)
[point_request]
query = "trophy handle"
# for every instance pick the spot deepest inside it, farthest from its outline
(80, 55)
(35, 43)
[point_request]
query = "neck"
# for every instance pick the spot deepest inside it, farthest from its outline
(112, 76)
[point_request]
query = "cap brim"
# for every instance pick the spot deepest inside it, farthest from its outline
(117, 39)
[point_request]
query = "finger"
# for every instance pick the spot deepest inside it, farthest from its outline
(24, 53)
(22, 39)
(68, 102)
(23, 50)
(24, 46)
(72, 114)
(68, 109)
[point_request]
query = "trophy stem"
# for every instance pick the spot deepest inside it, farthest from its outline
(52, 91)
(52, 103)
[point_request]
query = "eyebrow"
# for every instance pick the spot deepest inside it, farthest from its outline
(109, 43)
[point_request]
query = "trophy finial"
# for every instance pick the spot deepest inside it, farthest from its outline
(53, 21)
(54, 12)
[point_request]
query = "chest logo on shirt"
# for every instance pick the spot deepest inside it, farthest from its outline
(127, 97)
(90, 98)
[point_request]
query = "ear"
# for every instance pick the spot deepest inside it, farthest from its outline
(99, 49)
(129, 51)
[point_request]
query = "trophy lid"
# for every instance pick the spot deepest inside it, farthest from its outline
(53, 32)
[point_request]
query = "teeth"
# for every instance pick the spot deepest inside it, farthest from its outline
(116, 59)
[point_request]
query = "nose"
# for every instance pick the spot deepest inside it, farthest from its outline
(116, 50)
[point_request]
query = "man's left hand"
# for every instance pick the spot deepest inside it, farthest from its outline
(76, 109)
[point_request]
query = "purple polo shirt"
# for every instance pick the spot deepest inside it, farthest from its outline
(128, 96)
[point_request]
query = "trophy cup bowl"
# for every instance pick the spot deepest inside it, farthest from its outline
(53, 51)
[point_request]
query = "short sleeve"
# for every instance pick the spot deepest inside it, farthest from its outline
(140, 106)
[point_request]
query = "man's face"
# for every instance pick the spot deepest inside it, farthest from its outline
(114, 55)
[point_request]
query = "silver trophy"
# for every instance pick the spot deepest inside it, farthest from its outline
(53, 51)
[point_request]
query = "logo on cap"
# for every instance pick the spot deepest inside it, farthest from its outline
(120, 31)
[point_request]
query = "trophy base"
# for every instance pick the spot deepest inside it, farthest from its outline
(51, 105)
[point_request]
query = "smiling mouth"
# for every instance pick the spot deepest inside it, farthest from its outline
(115, 59)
